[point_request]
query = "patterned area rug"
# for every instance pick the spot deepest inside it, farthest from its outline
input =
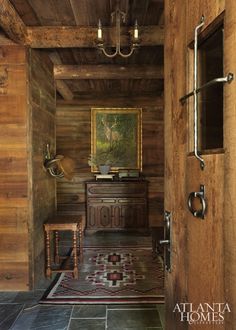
(114, 275)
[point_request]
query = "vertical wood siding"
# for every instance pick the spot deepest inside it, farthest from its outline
(74, 140)
(43, 108)
(14, 181)
(27, 192)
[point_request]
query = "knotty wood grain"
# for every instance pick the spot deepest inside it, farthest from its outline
(205, 237)
(175, 119)
(230, 172)
(14, 193)
(42, 107)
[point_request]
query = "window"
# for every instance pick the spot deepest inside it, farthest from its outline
(211, 99)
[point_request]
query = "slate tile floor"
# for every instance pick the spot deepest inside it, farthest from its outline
(21, 311)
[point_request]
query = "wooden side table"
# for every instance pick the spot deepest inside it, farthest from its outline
(63, 223)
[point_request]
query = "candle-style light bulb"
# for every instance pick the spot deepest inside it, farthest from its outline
(136, 30)
(99, 29)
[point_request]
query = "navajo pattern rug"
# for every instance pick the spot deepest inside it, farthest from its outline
(111, 275)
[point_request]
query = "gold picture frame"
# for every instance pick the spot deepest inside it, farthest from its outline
(116, 137)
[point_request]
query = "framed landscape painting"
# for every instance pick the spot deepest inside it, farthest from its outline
(116, 138)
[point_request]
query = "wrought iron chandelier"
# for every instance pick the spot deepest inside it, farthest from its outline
(119, 16)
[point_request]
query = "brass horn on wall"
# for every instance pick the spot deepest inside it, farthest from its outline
(59, 166)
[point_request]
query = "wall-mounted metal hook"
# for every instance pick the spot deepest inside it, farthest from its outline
(58, 166)
(50, 164)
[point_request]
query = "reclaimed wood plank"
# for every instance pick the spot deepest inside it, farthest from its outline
(68, 36)
(108, 71)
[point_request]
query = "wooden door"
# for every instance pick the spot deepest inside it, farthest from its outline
(230, 165)
(198, 254)
(204, 264)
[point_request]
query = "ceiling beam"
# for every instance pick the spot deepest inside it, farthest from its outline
(64, 90)
(61, 86)
(103, 100)
(76, 36)
(70, 36)
(108, 71)
(11, 22)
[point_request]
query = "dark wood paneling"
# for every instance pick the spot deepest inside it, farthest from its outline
(42, 104)
(74, 140)
(120, 100)
(85, 12)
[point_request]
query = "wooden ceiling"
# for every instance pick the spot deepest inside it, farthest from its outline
(67, 30)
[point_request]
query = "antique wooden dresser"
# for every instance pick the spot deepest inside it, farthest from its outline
(116, 205)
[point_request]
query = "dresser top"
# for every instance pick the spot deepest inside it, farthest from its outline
(116, 181)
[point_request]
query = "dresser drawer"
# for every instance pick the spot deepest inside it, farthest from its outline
(131, 200)
(101, 200)
(117, 189)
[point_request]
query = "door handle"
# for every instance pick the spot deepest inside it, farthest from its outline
(164, 242)
(201, 195)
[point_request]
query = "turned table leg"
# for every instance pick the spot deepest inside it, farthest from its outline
(48, 261)
(57, 258)
(75, 271)
(80, 243)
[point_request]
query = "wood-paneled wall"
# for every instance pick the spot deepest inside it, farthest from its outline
(74, 140)
(43, 131)
(27, 193)
(14, 181)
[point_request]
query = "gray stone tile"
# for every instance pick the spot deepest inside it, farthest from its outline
(7, 297)
(26, 318)
(131, 306)
(44, 283)
(28, 297)
(44, 317)
(89, 311)
(117, 239)
(142, 328)
(8, 315)
(87, 324)
(119, 319)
